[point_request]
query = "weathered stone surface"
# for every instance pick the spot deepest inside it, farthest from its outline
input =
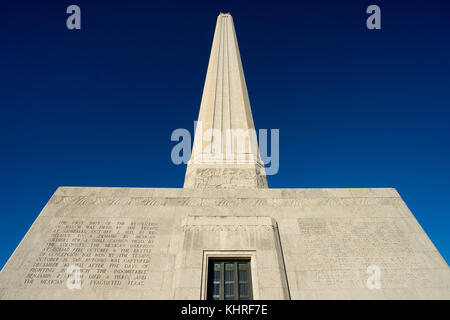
(225, 151)
(135, 243)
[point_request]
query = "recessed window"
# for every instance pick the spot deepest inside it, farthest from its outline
(229, 280)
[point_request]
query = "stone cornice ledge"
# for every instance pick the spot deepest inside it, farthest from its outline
(228, 193)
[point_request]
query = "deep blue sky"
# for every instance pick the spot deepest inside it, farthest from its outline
(96, 107)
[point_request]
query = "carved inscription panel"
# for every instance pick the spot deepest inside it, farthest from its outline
(104, 253)
(344, 237)
(334, 253)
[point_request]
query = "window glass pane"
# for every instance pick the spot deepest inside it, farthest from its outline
(214, 281)
(216, 291)
(243, 290)
(216, 274)
(229, 266)
(216, 285)
(229, 281)
(243, 276)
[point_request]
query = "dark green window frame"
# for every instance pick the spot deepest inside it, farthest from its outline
(229, 280)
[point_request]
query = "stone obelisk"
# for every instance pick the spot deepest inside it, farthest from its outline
(225, 152)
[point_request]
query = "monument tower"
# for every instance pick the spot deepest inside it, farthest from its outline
(225, 152)
(225, 235)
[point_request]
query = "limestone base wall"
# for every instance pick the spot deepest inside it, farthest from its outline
(149, 243)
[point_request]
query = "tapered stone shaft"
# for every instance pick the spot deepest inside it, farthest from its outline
(225, 152)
